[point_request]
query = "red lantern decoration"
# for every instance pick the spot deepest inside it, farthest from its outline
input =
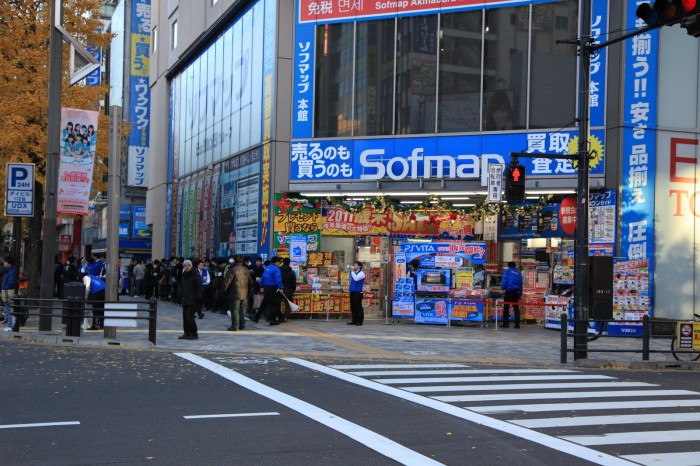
(453, 216)
(412, 217)
(432, 219)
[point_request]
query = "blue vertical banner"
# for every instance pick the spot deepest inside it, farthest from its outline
(599, 33)
(639, 144)
(139, 93)
(139, 227)
(303, 73)
(268, 67)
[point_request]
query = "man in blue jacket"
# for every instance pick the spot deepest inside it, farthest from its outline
(95, 293)
(356, 277)
(271, 283)
(512, 284)
(9, 283)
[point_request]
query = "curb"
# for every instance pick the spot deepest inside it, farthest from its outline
(645, 365)
(88, 341)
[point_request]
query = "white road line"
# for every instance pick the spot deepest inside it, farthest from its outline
(366, 437)
(522, 386)
(545, 407)
(658, 436)
(502, 426)
(560, 395)
(690, 458)
(211, 416)
(505, 378)
(609, 420)
(40, 424)
(464, 372)
(394, 366)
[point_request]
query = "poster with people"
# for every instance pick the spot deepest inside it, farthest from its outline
(78, 144)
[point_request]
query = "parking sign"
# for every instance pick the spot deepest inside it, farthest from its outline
(19, 196)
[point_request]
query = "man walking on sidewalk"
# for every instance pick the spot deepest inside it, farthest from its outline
(512, 283)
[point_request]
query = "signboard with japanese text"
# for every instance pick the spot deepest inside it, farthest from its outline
(138, 222)
(296, 219)
(639, 114)
(19, 194)
(298, 247)
(78, 145)
(444, 157)
(495, 184)
(139, 93)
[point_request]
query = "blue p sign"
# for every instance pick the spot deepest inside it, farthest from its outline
(20, 177)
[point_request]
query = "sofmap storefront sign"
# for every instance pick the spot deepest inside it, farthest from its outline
(448, 157)
(311, 13)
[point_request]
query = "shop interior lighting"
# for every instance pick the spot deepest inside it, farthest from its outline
(551, 191)
(463, 205)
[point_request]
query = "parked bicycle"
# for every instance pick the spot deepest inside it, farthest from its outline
(684, 346)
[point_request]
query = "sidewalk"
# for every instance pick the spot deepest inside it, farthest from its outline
(302, 336)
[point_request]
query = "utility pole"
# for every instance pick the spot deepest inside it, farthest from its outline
(53, 153)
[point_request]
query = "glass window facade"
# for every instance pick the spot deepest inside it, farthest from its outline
(496, 69)
(217, 98)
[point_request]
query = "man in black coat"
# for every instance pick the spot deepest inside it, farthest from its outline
(190, 291)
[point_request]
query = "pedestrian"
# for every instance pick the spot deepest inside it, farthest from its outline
(356, 277)
(289, 279)
(95, 292)
(21, 311)
(242, 283)
(9, 282)
(58, 278)
(206, 288)
(70, 271)
(512, 284)
(190, 294)
(139, 275)
(271, 283)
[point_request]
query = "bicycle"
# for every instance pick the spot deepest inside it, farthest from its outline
(685, 334)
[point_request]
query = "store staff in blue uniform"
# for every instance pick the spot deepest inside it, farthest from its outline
(356, 277)
(271, 283)
(95, 292)
(512, 284)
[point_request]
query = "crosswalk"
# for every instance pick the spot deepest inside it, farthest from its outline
(642, 423)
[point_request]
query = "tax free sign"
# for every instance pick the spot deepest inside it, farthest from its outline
(19, 195)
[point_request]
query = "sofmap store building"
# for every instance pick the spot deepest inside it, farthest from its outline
(409, 98)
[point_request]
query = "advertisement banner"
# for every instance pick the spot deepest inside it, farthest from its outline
(139, 93)
(444, 157)
(297, 249)
(78, 143)
(138, 222)
(296, 219)
(432, 311)
(638, 155)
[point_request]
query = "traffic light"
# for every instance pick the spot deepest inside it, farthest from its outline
(515, 182)
(670, 12)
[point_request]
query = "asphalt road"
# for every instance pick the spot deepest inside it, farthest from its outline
(75, 405)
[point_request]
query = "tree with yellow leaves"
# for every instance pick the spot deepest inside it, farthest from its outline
(24, 78)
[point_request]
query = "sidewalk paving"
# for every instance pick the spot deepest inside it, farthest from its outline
(330, 337)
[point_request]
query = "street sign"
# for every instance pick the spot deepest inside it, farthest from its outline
(19, 195)
(495, 182)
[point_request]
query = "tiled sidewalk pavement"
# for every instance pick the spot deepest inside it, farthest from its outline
(377, 339)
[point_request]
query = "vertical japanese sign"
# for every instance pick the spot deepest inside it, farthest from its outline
(639, 143)
(303, 72)
(139, 93)
(599, 32)
(495, 184)
(78, 143)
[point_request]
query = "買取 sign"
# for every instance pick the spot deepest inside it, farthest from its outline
(19, 196)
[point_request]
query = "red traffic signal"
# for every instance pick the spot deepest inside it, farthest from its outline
(669, 12)
(515, 183)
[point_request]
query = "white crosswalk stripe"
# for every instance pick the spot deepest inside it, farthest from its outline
(623, 427)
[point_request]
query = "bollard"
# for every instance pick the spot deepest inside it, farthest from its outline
(74, 293)
(646, 334)
(563, 345)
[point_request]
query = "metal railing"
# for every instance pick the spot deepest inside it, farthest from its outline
(116, 314)
(651, 329)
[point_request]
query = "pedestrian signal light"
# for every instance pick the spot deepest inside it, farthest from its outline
(515, 183)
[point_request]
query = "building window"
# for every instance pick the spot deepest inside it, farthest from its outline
(173, 33)
(154, 39)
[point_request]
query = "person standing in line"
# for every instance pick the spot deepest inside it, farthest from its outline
(139, 275)
(512, 284)
(356, 277)
(9, 283)
(271, 283)
(58, 278)
(95, 291)
(70, 271)
(190, 294)
(289, 279)
(206, 288)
